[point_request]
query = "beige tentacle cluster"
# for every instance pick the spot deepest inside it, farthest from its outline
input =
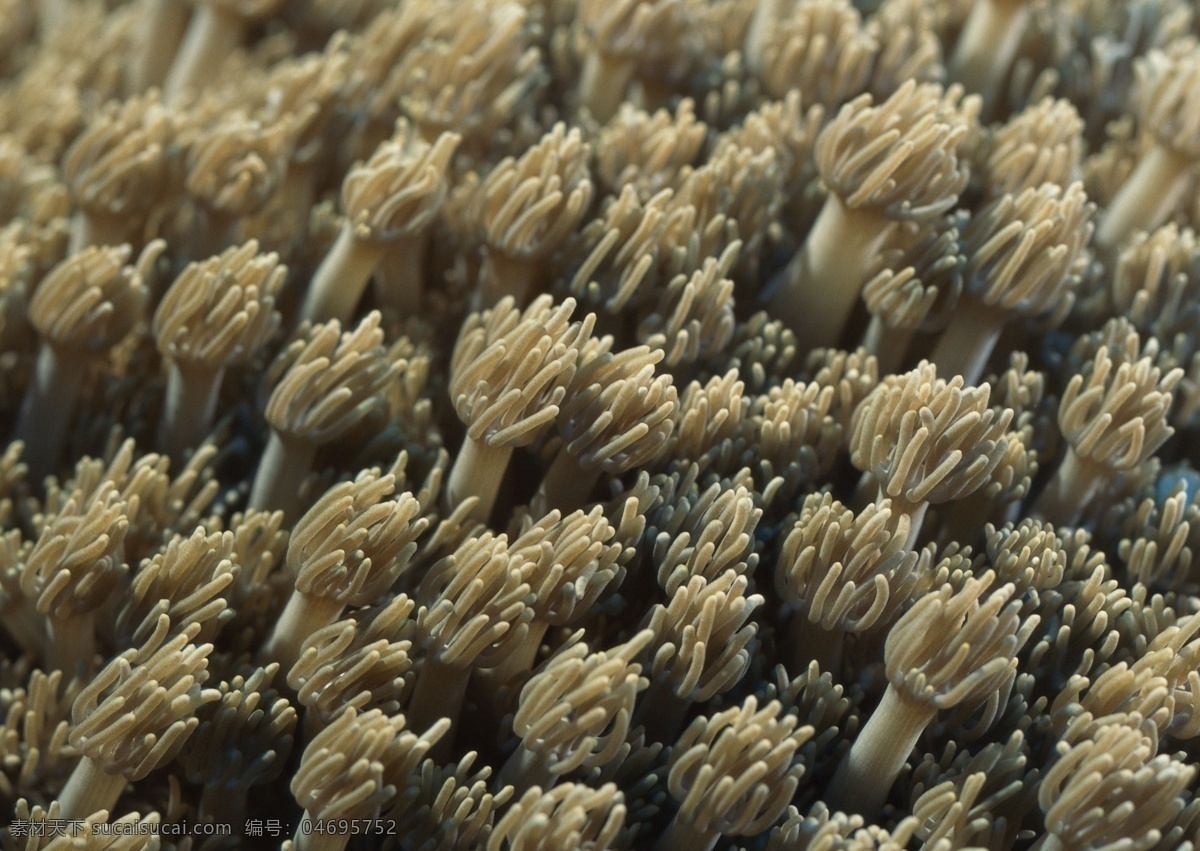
(1168, 107)
(978, 801)
(1024, 251)
(764, 352)
(361, 661)
(324, 384)
(448, 806)
(135, 715)
(571, 815)
(845, 571)
(1161, 541)
(118, 169)
(926, 440)
(476, 609)
(791, 425)
(1166, 98)
(1110, 788)
(471, 77)
(709, 414)
(191, 581)
(400, 188)
(243, 740)
(352, 768)
(902, 156)
(1028, 555)
(94, 298)
(1154, 281)
(1041, 144)
(1113, 415)
(618, 413)
(569, 562)
(508, 376)
(733, 773)
(347, 550)
(788, 127)
(220, 311)
(624, 249)
(900, 161)
(615, 37)
(909, 48)
(355, 540)
(915, 287)
(73, 569)
(950, 649)
(694, 315)
(575, 711)
(821, 48)
(510, 369)
(649, 152)
(479, 573)
(527, 206)
(703, 532)
(701, 645)
(235, 167)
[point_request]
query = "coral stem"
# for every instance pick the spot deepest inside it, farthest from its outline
(987, 45)
(439, 693)
(48, 406)
(661, 712)
(89, 790)
(566, 486)
(682, 834)
(866, 774)
(968, 341)
(812, 642)
(603, 83)
(163, 25)
(523, 770)
(91, 228)
(211, 36)
(1068, 493)
(821, 285)
(400, 275)
(1145, 198)
(338, 284)
(191, 404)
(889, 345)
(477, 471)
(284, 466)
(301, 617)
(502, 276)
(72, 642)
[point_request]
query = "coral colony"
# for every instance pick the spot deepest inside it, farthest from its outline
(539, 425)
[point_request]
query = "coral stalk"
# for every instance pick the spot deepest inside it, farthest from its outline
(341, 278)
(969, 339)
(987, 44)
(285, 464)
(477, 472)
(864, 779)
(190, 406)
(89, 790)
(821, 286)
(213, 33)
(1145, 198)
(44, 419)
